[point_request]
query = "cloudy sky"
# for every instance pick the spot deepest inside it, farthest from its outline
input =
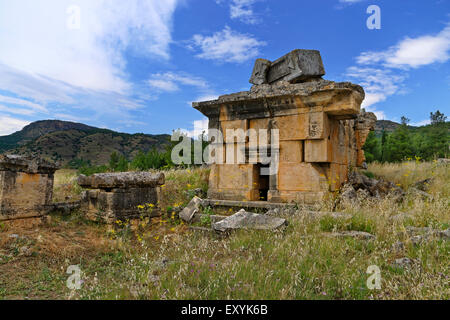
(136, 65)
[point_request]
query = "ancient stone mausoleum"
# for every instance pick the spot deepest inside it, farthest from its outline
(321, 131)
(118, 196)
(26, 187)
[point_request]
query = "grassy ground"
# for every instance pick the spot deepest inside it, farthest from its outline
(163, 259)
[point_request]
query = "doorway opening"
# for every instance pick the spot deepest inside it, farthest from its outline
(264, 183)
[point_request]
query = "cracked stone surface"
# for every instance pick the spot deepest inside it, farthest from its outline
(249, 220)
(121, 180)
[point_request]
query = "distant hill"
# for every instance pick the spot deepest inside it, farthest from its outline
(387, 125)
(72, 142)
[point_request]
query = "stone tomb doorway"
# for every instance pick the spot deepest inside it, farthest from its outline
(263, 182)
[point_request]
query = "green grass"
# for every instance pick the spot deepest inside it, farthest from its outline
(301, 262)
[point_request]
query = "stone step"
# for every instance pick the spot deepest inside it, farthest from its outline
(261, 205)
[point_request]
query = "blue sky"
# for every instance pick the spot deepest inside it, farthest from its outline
(136, 65)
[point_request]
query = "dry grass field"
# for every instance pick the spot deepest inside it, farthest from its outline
(164, 259)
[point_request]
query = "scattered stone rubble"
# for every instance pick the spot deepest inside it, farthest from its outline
(359, 187)
(117, 196)
(407, 264)
(426, 234)
(243, 219)
(26, 187)
(187, 214)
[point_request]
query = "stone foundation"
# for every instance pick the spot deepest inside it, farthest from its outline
(116, 196)
(26, 187)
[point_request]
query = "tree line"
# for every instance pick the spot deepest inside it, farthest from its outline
(427, 143)
(143, 161)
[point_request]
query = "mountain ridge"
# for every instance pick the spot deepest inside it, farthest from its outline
(71, 142)
(67, 142)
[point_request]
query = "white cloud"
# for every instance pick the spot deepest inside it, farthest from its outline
(226, 46)
(15, 110)
(199, 127)
(10, 125)
(61, 70)
(378, 83)
(412, 52)
(35, 38)
(170, 81)
(382, 74)
(207, 97)
(420, 123)
(243, 10)
(163, 85)
(31, 106)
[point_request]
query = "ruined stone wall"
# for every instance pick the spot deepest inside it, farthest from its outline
(321, 131)
(26, 187)
(118, 196)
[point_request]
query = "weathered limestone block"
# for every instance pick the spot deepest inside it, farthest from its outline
(121, 180)
(191, 209)
(298, 65)
(364, 124)
(302, 126)
(26, 187)
(291, 151)
(318, 150)
(259, 74)
(116, 196)
(301, 177)
(249, 220)
(234, 182)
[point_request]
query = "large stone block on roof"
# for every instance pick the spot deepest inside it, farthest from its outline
(296, 66)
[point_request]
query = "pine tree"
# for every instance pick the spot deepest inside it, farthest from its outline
(122, 165)
(399, 144)
(372, 148)
(437, 117)
(113, 161)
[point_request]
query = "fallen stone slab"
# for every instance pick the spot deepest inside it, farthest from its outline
(249, 220)
(423, 184)
(423, 194)
(187, 214)
(213, 218)
(121, 180)
(426, 234)
(406, 263)
(352, 234)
